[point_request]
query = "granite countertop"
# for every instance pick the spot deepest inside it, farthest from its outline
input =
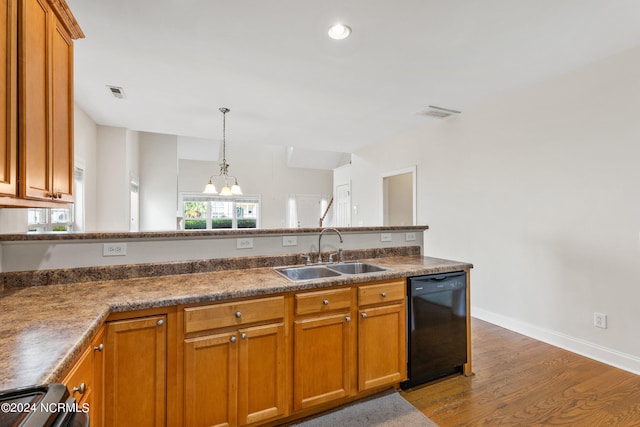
(44, 328)
(189, 234)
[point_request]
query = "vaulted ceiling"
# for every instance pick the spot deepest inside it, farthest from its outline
(287, 83)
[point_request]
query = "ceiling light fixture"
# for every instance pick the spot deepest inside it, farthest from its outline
(224, 167)
(339, 31)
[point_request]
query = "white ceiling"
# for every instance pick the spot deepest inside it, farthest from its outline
(287, 83)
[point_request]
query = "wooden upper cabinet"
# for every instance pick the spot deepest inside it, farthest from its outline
(8, 97)
(46, 102)
(36, 159)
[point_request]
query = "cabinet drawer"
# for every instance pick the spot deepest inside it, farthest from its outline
(391, 291)
(216, 316)
(79, 379)
(322, 301)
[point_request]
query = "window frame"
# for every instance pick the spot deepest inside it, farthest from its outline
(209, 198)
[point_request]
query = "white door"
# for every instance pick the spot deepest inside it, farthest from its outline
(343, 205)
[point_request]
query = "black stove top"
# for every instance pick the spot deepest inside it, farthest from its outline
(39, 406)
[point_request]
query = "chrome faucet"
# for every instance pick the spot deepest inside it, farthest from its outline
(320, 247)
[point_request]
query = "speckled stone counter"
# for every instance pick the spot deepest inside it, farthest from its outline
(187, 234)
(43, 328)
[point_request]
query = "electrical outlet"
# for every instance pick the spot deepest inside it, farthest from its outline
(114, 249)
(289, 241)
(600, 320)
(244, 243)
(410, 237)
(385, 237)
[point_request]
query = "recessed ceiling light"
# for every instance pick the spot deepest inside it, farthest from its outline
(339, 31)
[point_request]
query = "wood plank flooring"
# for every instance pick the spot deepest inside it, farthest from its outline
(519, 381)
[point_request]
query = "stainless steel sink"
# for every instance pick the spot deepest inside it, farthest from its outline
(307, 272)
(355, 268)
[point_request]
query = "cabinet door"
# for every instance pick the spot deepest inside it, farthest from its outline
(323, 355)
(61, 113)
(210, 380)
(46, 102)
(79, 380)
(97, 399)
(8, 97)
(35, 98)
(381, 346)
(262, 375)
(135, 369)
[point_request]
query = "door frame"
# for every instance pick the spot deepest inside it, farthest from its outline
(413, 170)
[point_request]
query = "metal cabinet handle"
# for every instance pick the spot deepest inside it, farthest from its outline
(99, 347)
(347, 319)
(160, 322)
(81, 389)
(383, 295)
(238, 314)
(364, 315)
(233, 339)
(325, 301)
(243, 336)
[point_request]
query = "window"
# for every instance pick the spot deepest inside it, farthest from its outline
(65, 220)
(44, 220)
(211, 212)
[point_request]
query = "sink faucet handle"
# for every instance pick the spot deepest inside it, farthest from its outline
(340, 259)
(332, 255)
(307, 259)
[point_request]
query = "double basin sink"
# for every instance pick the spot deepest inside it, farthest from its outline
(309, 272)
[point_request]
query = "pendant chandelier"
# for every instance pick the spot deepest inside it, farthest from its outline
(224, 167)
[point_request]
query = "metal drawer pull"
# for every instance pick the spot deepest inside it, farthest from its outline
(81, 389)
(383, 295)
(238, 314)
(347, 319)
(364, 315)
(243, 336)
(233, 339)
(160, 322)
(99, 347)
(325, 301)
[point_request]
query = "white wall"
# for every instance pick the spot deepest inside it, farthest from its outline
(54, 254)
(158, 181)
(539, 190)
(116, 152)
(84, 142)
(260, 169)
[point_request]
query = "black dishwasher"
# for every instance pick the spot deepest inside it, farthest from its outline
(437, 322)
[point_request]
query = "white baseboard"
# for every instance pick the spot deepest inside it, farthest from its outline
(593, 351)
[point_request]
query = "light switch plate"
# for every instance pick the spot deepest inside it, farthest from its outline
(410, 237)
(289, 240)
(114, 249)
(385, 237)
(244, 243)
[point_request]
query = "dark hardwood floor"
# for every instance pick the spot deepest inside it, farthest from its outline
(519, 381)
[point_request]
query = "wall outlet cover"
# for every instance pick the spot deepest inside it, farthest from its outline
(385, 237)
(410, 237)
(244, 243)
(600, 320)
(114, 249)
(289, 240)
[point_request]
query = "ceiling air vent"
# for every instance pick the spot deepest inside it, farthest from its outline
(438, 112)
(117, 92)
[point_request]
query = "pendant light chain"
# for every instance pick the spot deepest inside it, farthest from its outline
(224, 133)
